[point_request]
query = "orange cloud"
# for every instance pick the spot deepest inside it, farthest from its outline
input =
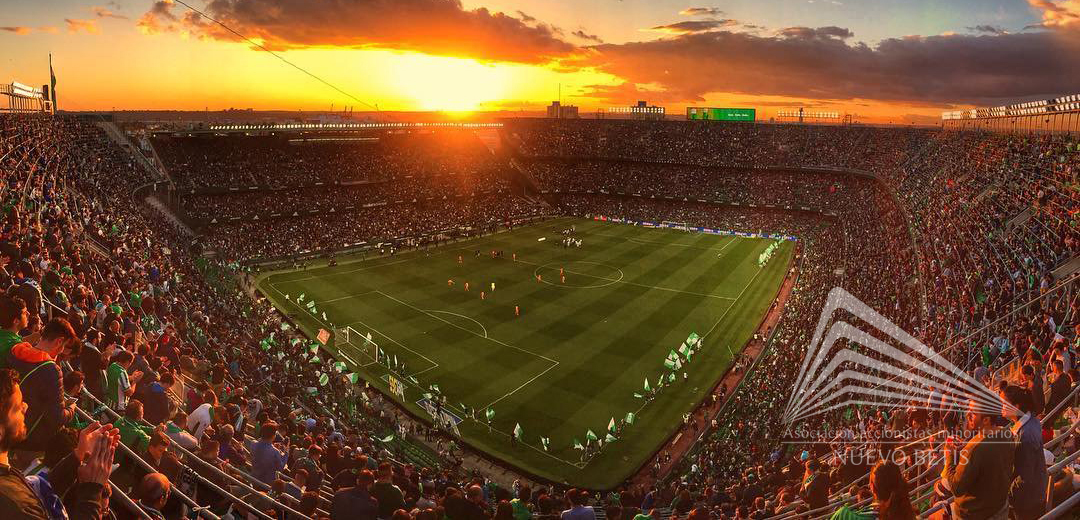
(436, 27)
(18, 29)
(1058, 13)
(74, 26)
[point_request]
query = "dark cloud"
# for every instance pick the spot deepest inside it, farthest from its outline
(586, 36)
(808, 33)
(694, 26)
(17, 29)
(526, 18)
(103, 12)
(987, 29)
(437, 27)
(933, 70)
(701, 11)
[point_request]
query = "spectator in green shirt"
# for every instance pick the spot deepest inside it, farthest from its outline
(14, 317)
(134, 430)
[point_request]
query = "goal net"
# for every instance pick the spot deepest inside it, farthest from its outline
(357, 347)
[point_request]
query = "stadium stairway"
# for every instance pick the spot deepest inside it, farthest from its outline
(125, 143)
(156, 204)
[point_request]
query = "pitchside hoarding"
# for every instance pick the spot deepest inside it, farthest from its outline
(720, 114)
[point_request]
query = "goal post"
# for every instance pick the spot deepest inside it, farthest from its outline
(358, 347)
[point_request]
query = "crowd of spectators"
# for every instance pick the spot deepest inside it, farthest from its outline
(215, 161)
(121, 346)
(955, 242)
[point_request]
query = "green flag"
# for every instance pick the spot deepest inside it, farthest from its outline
(323, 380)
(671, 377)
(285, 327)
(590, 436)
(353, 377)
(315, 360)
(630, 418)
(609, 438)
(517, 431)
(639, 395)
(669, 363)
(490, 413)
(578, 445)
(683, 350)
(310, 304)
(647, 387)
(611, 425)
(388, 439)
(545, 442)
(339, 366)
(987, 359)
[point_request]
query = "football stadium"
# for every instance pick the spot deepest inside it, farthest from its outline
(427, 259)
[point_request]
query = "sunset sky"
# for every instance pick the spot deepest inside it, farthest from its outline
(884, 60)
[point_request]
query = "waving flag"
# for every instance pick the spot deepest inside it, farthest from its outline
(517, 431)
(490, 413)
(611, 425)
(630, 418)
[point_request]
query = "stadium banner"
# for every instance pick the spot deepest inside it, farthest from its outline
(700, 229)
(396, 387)
(324, 336)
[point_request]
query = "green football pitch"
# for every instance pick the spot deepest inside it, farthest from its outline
(578, 352)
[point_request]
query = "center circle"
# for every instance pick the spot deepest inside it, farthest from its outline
(584, 270)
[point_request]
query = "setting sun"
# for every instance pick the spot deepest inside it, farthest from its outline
(451, 84)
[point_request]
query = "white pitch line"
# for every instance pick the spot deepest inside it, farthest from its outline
(527, 382)
(335, 273)
(553, 362)
(500, 342)
(390, 338)
(622, 281)
(747, 286)
(346, 297)
(473, 320)
(411, 258)
(663, 243)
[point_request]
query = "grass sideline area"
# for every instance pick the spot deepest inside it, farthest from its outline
(579, 350)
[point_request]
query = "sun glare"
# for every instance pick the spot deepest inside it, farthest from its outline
(450, 84)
